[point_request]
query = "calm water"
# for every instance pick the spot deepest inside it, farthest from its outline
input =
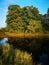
(4, 40)
(42, 59)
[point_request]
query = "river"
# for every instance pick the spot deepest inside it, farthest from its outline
(4, 41)
(43, 58)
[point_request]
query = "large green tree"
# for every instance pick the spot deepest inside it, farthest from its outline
(22, 20)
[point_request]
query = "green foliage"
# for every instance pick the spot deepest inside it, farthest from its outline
(45, 22)
(25, 20)
(48, 11)
(21, 20)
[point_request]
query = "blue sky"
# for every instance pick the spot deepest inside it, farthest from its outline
(42, 6)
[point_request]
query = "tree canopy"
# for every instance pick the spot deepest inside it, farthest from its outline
(26, 19)
(45, 22)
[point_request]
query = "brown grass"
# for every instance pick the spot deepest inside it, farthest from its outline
(25, 35)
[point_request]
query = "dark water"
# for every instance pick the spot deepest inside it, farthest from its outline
(43, 58)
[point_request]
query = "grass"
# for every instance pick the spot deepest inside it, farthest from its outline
(24, 35)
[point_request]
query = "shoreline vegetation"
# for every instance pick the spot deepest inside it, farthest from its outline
(24, 35)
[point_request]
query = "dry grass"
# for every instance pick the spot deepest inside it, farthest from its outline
(25, 35)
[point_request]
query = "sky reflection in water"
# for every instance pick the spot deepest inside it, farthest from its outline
(3, 41)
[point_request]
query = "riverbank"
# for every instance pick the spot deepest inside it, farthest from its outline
(25, 35)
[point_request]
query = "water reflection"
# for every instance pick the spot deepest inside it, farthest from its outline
(43, 59)
(4, 40)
